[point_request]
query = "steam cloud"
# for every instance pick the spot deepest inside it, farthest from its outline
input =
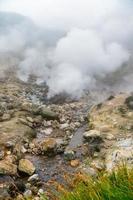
(69, 44)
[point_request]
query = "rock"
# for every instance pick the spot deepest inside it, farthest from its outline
(9, 144)
(69, 155)
(48, 114)
(89, 171)
(64, 126)
(61, 145)
(23, 150)
(98, 164)
(19, 197)
(28, 194)
(110, 136)
(26, 106)
(118, 157)
(2, 154)
(26, 166)
(34, 177)
(75, 163)
(7, 168)
(29, 119)
(48, 146)
(6, 117)
(105, 128)
(93, 136)
(125, 143)
(40, 192)
(48, 131)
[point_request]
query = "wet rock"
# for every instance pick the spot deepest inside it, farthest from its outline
(89, 171)
(7, 168)
(69, 155)
(93, 136)
(48, 146)
(26, 166)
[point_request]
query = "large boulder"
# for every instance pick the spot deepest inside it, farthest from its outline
(26, 166)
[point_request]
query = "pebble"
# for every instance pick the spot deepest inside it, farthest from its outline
(34, 177)
(28, 194)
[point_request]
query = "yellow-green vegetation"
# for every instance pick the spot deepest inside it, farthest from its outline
(115, 186)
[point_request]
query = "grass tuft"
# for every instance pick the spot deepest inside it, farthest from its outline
(115, 186)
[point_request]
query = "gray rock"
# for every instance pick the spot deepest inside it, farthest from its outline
(69, 155)
(48, 114)
(34, 177)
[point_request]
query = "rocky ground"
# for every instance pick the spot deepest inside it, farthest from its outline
(43, 139)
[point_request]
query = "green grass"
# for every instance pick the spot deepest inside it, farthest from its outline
(115, 186)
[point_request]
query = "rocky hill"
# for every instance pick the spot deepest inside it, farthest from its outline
(40, 141)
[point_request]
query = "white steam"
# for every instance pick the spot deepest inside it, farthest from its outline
(96, 41)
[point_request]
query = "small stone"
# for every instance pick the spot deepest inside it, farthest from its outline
(69, 155)
(8, 152)
(104, 128)
(110, 136)
(89, 171)
(48, 131)
(29, 119)
(75, 163)
(28, 194)
(64, 126)
(23, 150)
(28, 185)
(26, 166)
(9, 144)
(32, 145)
(40, 192)
(93, 136)
(34, 177)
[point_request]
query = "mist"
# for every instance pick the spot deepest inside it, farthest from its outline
(72, 46)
